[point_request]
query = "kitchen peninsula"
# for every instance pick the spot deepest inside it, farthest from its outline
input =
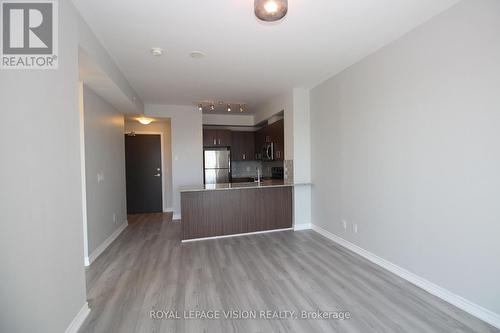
(215, 210)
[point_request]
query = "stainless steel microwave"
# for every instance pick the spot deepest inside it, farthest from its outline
(268, 152)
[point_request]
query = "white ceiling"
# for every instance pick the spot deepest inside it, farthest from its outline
(247, 61)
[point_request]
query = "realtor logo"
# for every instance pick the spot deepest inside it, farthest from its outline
(29, 36)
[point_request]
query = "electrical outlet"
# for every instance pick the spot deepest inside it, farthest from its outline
(355, 228)
(344, 225)
(100, 177)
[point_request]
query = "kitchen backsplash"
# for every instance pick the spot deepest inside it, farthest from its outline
(245, 168)
(289, 170)
(248, 168)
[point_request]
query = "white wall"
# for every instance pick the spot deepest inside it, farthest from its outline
(104, 155)
(301, 137)
(41, 236)
(296, 112)
(163, 127)
(406, 145)
(187, 146)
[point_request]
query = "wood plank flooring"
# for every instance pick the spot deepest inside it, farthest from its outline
(147, 268)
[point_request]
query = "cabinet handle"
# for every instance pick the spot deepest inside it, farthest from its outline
(219, 141)
(244, 157)
(215, 142)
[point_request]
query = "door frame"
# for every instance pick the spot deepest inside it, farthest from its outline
(163, 208)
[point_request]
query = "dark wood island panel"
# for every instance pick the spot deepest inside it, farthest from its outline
(235, 211)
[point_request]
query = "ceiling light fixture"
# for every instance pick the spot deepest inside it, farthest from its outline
(200, 107)
(229, 108)
(145, 121)
(241, 108)
(156, 51)
(270, 10)
(212, 107)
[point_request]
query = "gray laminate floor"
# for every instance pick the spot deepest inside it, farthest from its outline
(147, 268)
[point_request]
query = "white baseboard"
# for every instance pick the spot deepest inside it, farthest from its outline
(77, 322)
(168, 210)
(477, 311)
(176, 216)
(235, 235)
(101, 248)
(304, 226)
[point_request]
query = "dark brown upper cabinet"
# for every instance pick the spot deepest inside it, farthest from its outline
(209, 138)
(272, 133)
(277, 131)
(259, 140)
(216, 138)
(243, 146)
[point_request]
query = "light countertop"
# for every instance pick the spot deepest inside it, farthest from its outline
(237, 186)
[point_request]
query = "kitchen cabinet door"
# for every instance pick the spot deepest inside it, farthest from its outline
(243, 146)
(259, 140)
(224, 138)
(237, 146)
(278, 138)
(209, 138)
(249, 146)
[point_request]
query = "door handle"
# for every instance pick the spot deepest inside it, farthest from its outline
(158, 175)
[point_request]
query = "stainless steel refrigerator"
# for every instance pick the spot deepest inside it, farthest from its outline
(217, 165)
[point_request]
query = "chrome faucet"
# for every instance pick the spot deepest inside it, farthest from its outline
(258, 176)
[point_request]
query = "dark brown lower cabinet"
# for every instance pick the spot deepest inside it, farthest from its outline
(235, 211)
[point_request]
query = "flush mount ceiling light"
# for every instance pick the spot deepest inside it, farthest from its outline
(270, 10)
(145, 121)
(156, 51)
